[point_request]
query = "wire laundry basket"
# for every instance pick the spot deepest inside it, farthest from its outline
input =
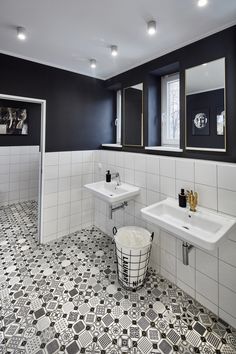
(132, 262)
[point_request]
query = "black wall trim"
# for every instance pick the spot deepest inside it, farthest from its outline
(216, 46)
(80, 110)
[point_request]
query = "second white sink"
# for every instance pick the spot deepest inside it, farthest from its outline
(113, 193)
(203, 228)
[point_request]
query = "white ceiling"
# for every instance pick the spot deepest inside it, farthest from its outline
(206, 77)
(67, 33)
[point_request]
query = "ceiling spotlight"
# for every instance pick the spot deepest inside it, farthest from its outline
(21, 33)
(151, 27)
(93, 63)
(202, 3)
(114, 50)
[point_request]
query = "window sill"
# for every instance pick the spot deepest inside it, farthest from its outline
(112, 145)
(164, 148)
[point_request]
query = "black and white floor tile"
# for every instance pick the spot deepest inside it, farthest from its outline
(64, 297)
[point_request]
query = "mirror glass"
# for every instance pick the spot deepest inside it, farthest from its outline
(133, 115)
(205, 106)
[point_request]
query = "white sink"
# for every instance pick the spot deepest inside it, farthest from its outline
(204, 229)
(111, 192)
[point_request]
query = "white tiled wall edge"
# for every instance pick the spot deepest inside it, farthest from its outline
(19, 174)
(68, 207)
(211, 277)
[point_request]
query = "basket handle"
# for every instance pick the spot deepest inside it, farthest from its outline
(114, 230)
(152, 235)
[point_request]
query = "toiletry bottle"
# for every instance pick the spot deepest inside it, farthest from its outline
(108, 176)
(182, 199)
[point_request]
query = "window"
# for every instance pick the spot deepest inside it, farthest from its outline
(118, 117)
(170, 129)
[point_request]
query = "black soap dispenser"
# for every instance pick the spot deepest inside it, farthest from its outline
(108, 176)
(182, 199)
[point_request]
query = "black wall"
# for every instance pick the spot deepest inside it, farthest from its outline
(133, 108)
(219, 45)
(34, 120)
(79, 109)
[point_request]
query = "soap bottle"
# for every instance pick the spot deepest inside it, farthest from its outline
(108, 176)
(182, 199)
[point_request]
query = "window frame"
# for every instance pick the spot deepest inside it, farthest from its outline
(165, 81)
(118, 120)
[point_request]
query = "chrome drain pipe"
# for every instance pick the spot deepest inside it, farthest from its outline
(186, 248)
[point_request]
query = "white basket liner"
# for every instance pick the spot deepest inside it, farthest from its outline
(133, 250)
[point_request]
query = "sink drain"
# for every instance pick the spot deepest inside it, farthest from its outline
(186, 227)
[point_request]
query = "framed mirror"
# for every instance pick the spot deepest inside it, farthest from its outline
(205, 114)
(132, 105)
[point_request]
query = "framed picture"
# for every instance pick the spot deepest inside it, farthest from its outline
(200, 122)
(13, 121)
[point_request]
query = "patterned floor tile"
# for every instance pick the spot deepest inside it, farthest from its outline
(64, 297)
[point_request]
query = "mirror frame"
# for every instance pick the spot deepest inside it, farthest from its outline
(185, 113)
(123, 120)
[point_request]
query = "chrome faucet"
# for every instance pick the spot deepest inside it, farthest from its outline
(116, 176)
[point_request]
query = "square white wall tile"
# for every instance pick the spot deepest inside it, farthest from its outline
(227, 318)
(227, 201)
(76, 157)
(205, 173)
(64, 157)
(207, 287)
(227, 300)
(128, 160)
(153, 182)
(51, 158)
(207, 303)
(153, 164)
(186, 274)
(140, 179)
(140, 162)
(227, 276)
(168, 262)
(227, 252)
(186, 288)
(207, 264)
(207, 196)
(167, 167)
(185, 170)
(168, 242)
(167, 186)
(227, 176)
(19, 166)
(51, 172)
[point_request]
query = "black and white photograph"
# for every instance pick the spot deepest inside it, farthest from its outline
(13, 121)
(200, 122)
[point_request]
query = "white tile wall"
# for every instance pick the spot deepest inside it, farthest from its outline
(19, 173)
(210, 277)
(67, 205)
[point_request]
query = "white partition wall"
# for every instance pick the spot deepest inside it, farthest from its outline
(42, 103)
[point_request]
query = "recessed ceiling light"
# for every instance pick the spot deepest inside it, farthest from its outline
(114, 50)
(151, 27)
(205, 64)
(202, 3)
(21, 33)
(93, 63)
